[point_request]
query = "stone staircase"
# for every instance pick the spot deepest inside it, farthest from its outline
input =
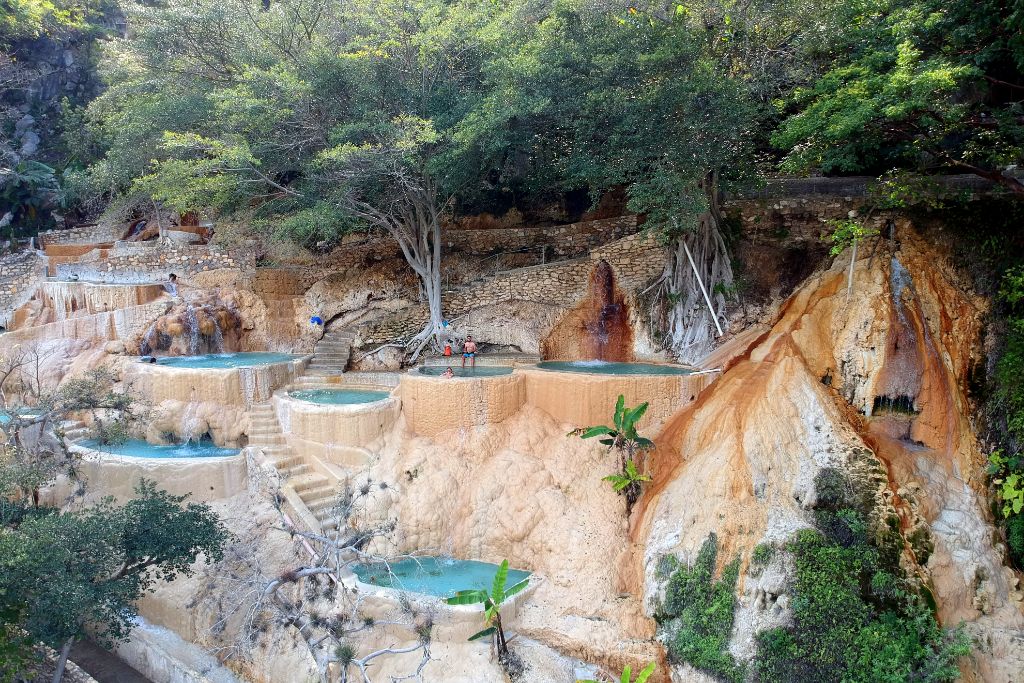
(74, 430)
(310, 495)
(330, 357)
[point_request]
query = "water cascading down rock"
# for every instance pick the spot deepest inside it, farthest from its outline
(195, 327)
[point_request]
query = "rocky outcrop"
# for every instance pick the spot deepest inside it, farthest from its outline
(873, 382)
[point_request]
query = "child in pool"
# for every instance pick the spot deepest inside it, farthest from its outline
(449, 373)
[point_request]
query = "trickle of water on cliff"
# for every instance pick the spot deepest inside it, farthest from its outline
(904, 367)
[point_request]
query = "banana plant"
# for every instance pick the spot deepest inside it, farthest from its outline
(627, 675)
(492, 606)
(623, 438)
(630, 477)
(623, 435)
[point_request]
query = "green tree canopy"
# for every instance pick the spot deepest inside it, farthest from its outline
(66, 574)
(920, 84)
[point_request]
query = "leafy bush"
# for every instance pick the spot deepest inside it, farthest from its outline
(762, 554)
(697, 616)
(855, 617)
(1006, 465)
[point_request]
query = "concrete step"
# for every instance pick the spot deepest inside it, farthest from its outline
(324, 372)
(328, 502)
(271, 427)
(327, 494)
(286, 461)
(268, 440)
(309, 480)
(296, 470)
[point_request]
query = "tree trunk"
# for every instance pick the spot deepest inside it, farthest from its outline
(62, 661)
(690, 302)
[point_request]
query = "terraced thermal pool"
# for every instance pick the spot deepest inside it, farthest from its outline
(139, 448)
(478, 371)
(226, 360)
(601, 367)
(338, 397)
(436, 576)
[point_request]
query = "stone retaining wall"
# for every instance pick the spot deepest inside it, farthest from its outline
(86, 234)
(635, 259)
(797, 219)
(560, 240)
(19, 274)
(148, 262)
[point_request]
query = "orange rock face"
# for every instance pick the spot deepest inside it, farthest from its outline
(873, 381)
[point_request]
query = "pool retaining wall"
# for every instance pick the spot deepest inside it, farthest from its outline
(204, 479)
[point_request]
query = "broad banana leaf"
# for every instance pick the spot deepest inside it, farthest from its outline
(498, 587)
(645, 674)
(472, 597)
(516, 588)
(483, 634)
(591, 432)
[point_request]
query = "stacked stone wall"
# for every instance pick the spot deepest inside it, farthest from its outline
(148, 262)
(87, 234)
(797, 219)
(19, 275)
(573, 239)
(635, 259)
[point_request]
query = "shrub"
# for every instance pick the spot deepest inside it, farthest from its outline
(762, 554)
(697, 616)
(855, 617)
(1006, 465)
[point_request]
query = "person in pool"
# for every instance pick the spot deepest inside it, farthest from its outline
(469, 351)
(449, 373)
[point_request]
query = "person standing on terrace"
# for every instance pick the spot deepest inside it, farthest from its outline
(469, 351)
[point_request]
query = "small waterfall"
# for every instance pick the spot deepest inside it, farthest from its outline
(218, 336)
(190, 423)
(148, 344)
(192, 327)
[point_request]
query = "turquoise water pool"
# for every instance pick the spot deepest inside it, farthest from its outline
(435, 575)
(226, 360)
(338, 397)
(143, 449)
(601, 367)
(478, 371)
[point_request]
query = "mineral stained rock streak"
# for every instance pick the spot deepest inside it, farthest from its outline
(608, 333)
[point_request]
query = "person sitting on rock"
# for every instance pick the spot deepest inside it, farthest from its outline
(172, 284)
(469, 351)
(449, 373)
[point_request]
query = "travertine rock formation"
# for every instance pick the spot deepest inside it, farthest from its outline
(819, 389)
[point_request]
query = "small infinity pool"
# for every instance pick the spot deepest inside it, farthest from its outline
(143, 449)
(338, 397)
(478, 371)
(601, 367)
(435, 575)
(226, 360)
